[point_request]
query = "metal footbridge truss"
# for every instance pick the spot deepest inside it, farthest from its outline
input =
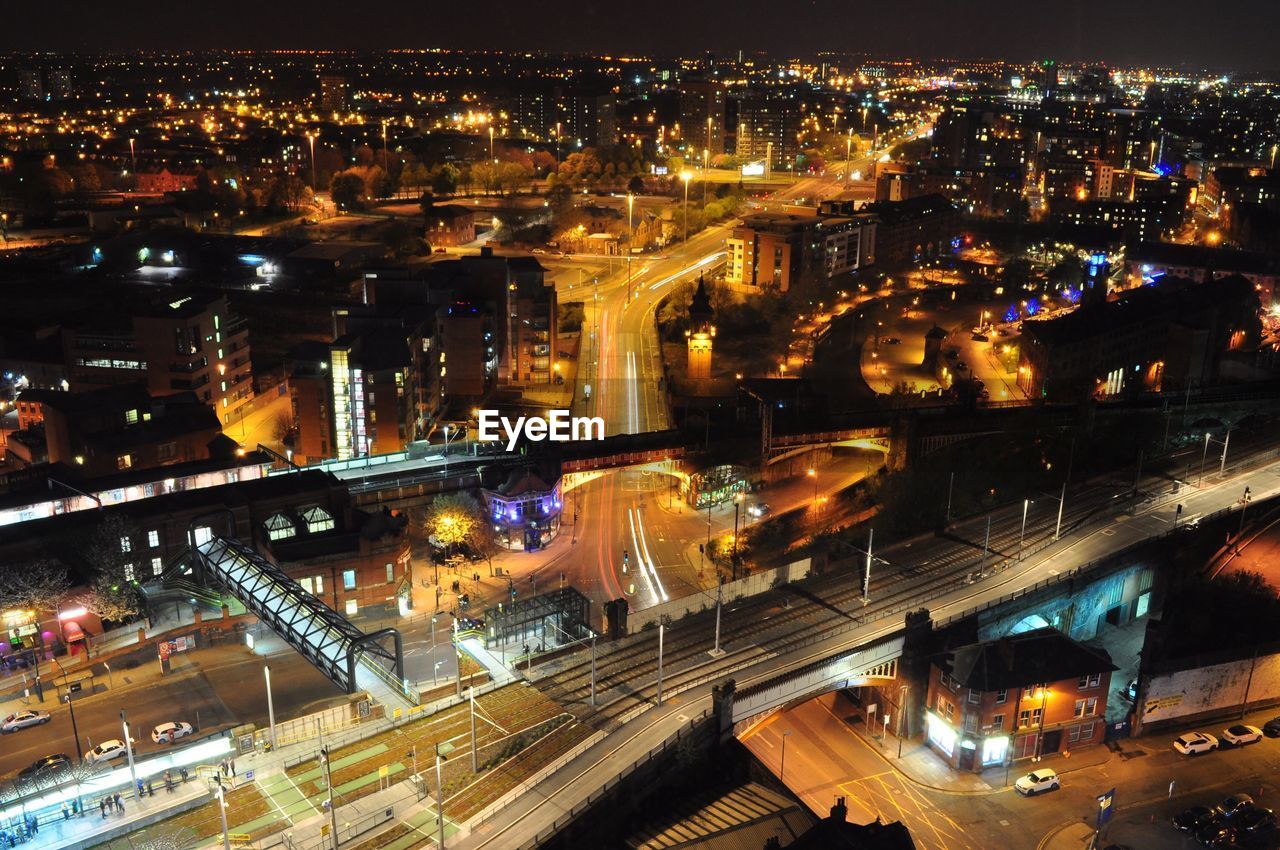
(323, 636)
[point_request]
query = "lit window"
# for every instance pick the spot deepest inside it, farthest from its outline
(348, 579)
(126, 545)
(129, 571)
(157, 566)
(391, 573)
(351, 607)
(153, 538)
(124, 461)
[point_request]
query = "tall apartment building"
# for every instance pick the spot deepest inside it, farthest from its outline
(333, 93)
(194, 343)
(585, 118)
(703, 106)
(767, 128)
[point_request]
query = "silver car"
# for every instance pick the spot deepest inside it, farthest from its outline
(23, 719)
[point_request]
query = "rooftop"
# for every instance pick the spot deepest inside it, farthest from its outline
(1030, 658)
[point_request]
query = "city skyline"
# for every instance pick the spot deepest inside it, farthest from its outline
(1125, 33)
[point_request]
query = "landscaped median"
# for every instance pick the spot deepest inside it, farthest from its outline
(519, 731)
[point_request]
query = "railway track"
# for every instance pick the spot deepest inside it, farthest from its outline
(775, 622)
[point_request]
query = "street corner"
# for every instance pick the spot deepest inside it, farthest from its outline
(1070, 836)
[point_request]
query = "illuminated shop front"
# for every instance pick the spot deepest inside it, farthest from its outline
(716, 485)
(966, 752)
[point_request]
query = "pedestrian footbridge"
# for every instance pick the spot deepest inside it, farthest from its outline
(351, 659)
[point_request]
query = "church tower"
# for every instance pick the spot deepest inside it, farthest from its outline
(701, 333)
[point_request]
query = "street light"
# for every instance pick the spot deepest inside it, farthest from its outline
(128, 751)
(813, 473)
(311, 139)
(686, 176)
(442, 753)
(491, 157)
(271, 708)
(222, 815)
(631, 234)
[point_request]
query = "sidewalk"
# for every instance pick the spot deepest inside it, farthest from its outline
(926, 768)
(90, 825)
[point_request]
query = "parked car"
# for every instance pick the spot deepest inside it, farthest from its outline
(1272, 728)
(1195, 743)
(45, 766)
(1037, 782)
(23, 719)
(167, 733)
(1234, 804)
(1195, 819)
(760, 509)
(466, 624)
(106, 751)
(1218, 835)
(1240, 734)
(892, 340)
(1254, 820)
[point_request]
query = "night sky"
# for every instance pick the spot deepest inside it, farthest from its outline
(1239, 35)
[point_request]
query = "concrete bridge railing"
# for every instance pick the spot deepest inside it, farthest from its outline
(875, 660)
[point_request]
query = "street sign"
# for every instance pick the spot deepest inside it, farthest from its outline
(1106, 804)
(248, 776)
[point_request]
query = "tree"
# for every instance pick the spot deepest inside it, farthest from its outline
(112, 550)
(36, 586)
(444, 179)
(635, 185)
(347, 190)
(451, 520)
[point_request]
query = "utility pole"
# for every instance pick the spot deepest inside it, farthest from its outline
(986, 545)
(951, 486)
(1057, 529)
(662, 628)
(474, 768)
(1026, 504)
(716, 650)
(866, 574)
(593, 670)
(328, 781)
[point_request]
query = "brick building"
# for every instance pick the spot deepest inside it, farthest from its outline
(450, 225)
(915, 229)
(1015, 698)
(117, 428)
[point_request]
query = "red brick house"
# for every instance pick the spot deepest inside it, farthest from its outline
(1015, 698)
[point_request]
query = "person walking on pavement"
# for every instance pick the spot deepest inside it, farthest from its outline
(233, 768)
(66, 813)
(119, 804)
(102, 804)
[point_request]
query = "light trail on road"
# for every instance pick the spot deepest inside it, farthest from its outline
(643, 558)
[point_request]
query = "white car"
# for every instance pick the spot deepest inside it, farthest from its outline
(23, 719)
(106, 751)
(1194, 743)
(167, 733)
(1240, 734)
(1037, 782)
